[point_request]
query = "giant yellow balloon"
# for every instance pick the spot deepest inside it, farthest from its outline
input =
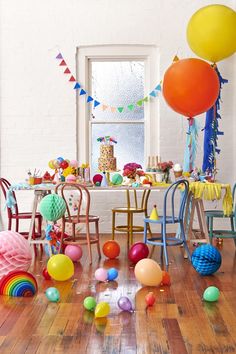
(60, 267)
(211, 32)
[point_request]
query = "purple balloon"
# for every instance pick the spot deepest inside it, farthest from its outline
(125, 304)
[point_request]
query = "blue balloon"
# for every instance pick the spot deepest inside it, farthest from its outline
(60, 159)
(52, 294)
(112, 274)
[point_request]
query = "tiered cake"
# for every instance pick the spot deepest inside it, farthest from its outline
(107, 161)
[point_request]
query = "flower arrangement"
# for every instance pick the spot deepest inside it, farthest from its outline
(132, 169)
(164, 166)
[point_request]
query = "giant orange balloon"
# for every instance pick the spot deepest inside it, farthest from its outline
(191, 86)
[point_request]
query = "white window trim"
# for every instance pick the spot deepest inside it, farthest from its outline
(150, 54)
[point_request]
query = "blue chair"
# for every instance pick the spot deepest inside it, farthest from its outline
(176, 217)
(211, 214)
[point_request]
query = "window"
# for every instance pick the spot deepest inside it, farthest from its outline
(117, 76)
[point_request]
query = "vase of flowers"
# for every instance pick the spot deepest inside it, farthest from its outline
(164, 168)
(132, 171)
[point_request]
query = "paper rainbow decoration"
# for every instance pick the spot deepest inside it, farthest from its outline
(18, 283)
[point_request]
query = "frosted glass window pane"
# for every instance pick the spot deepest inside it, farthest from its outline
(129, 147)
(118, 84)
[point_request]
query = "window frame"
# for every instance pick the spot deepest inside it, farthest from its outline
(150, 55)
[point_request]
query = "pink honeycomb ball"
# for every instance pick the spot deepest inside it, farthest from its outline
(15, 252)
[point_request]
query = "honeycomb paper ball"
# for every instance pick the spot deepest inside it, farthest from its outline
(15, 253)
(206, 259)
(52, 207)
(116, 179)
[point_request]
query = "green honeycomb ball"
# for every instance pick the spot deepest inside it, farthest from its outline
(116, 179)
(52, 207)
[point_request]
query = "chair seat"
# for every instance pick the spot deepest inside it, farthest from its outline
(26, 215)
(169, 220)
(128, 210)
(216, 214)
(82, 219)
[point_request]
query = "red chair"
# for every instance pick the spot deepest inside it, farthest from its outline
(5, 185)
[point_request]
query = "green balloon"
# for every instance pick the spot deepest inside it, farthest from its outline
(52, 207)
(52, 294)
(116, 179)
(211, 294)
(90, 303)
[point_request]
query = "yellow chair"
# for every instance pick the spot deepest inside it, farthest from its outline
(130, 210)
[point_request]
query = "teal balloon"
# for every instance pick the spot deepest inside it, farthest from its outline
(211, 294)
(52, 294)
(116, 179)
(52, 207)
(90, 303)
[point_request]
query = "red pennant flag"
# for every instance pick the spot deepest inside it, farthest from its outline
(72, 79)
(67, 71)
(62, 63)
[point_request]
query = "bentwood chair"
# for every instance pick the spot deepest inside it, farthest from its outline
(80, 215)
(176, 217)
(221, 234)
(16, 215)
(133, 207)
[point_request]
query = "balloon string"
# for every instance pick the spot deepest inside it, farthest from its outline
(190, 120)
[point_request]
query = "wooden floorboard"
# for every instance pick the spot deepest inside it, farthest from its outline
(179, 322)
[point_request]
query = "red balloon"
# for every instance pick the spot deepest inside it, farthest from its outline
(138, 251)
(46, 275)
(191, 86)
(64, 164)
(111, 249)
(165, 278)
(150, 299)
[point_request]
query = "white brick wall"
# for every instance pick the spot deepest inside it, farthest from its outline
(38, 115)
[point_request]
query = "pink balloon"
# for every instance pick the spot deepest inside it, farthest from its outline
(101, 274)
(74, 163)
(74, 252)
(15, 252)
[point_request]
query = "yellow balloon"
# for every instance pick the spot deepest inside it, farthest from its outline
(60, 267)
(102, 309)
(148, 272)
(51, 164)
(211, 32)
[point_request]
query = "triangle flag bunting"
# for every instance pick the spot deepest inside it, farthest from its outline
(62, 63)
(139, 103)
(67, 71)
(59, 56)
(158, 87)
(77, 86)
(153, 94)
(72, 79)
(120, 109)
(175, 59)
(131, 107)
(96, 103)
(82, 92)
(154, 214)
(104, 107)
(145, 99)
(113, 109)
(89, 99)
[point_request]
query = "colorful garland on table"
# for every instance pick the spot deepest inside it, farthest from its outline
(211, 131)
(191, 146)
(90, 99)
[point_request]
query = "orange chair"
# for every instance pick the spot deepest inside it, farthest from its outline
(16, 215)
(78, 218)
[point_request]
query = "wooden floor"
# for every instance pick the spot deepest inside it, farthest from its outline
(179, 322)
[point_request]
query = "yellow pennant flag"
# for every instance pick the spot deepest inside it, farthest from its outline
(175, 59)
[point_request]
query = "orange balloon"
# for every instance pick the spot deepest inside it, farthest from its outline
(148, 272)
(111, 249)
(191, 86)
(165, 278)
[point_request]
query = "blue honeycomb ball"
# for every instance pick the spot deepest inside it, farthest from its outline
(52, 207)
(206, 259)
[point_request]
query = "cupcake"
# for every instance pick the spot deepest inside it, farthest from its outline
(178, 170)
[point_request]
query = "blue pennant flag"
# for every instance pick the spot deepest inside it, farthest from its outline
(77, 86)
(82, 92)
(158, 87)
(153, 94)
(89, 99)
(96, 103)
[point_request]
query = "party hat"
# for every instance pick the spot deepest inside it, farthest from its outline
(154, 214)
(104, 182)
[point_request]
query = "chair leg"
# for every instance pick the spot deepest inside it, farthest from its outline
(62, 235)
(131, 229)
(88, 243)
(164, 244)
(17, 225)
(185, 242)
(145, 232)
(210, 229)
(97, 236)
(232, 223)
(113, 225)
(128, 227)
(9, 223)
